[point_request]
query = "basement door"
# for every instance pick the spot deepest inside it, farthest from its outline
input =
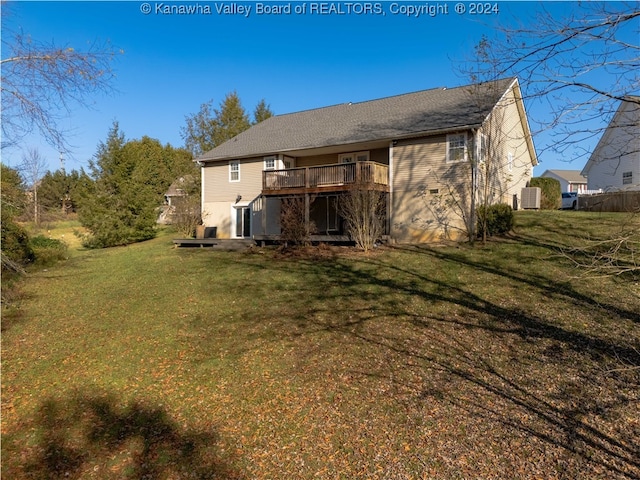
(243, 222)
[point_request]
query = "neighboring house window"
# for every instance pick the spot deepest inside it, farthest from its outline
(270, 163)
(510, 161)
(353, 157)
(234, 171)
(627, 178)
(456, 147)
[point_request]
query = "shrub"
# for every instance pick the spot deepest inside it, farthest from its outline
(497, 218)
(16, 248)
(48, 251)
(551, 198)
(364, 213)
(294, 230)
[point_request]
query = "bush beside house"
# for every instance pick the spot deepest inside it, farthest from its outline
(551, 192)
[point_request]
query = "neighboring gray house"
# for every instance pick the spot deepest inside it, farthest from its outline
(417, 148)
(615, 163)
(570, 180)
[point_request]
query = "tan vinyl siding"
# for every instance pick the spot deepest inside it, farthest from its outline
(422, 182)
(379, 155)
(314, 160)
(505, 127)
(218, 188)
(218, 214)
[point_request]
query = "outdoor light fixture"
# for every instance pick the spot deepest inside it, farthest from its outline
(238, 198)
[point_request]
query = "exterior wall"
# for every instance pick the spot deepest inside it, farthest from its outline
(219, 195)
(423, 187)
(431, 197)
(509, 163)
(379, 155)
(617, 152)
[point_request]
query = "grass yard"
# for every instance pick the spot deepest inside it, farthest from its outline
(438, 362)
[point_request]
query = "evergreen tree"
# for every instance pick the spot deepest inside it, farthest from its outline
(261, 112)
(129, 178)
(59, 190)
(231, 119)
(14, 240)
(211, 127)
(115, 208)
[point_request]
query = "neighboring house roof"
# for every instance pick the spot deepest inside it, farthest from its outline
(570, 176)
(177, 188)
(401, 116)
(630, 105)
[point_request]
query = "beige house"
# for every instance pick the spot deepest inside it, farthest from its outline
(434, 154)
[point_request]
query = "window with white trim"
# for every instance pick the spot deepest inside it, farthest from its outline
(456, 147)
(353, 157)
(627, 178)
(234, 171)
(510, 161)
(270, 162)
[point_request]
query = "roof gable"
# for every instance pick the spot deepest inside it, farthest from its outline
(630, 107)
(571, 176)
(401, 116)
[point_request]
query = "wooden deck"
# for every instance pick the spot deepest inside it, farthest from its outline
(216, 243)
(326, 178)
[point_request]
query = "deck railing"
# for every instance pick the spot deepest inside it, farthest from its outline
(363, 173)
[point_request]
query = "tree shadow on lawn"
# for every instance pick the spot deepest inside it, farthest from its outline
(559, 409)
(89, 435)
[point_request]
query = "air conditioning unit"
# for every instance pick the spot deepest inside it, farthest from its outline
(530, 198)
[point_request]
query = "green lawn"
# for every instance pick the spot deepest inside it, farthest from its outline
(445, 362)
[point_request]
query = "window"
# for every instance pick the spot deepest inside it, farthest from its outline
(270, 163)
(234, 171)
(481, 150)
(627, 178)
(353, 157)
(510, 161)
(456, 147)
(288, 162)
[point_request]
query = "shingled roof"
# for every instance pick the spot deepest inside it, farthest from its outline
(401, 116)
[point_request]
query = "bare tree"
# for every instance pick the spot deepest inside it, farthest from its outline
(617, 255)
(364, 211)
(575, 68)
(41, 81)
(295, 226)
(33, 168)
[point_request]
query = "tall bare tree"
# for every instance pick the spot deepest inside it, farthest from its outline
(575, 68)
(41, 82)
(33, 168)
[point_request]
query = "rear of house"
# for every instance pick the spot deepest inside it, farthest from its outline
(431, 154)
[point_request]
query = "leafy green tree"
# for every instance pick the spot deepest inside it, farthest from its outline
(211, 126)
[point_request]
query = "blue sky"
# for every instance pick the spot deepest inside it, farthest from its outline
(173, 63)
